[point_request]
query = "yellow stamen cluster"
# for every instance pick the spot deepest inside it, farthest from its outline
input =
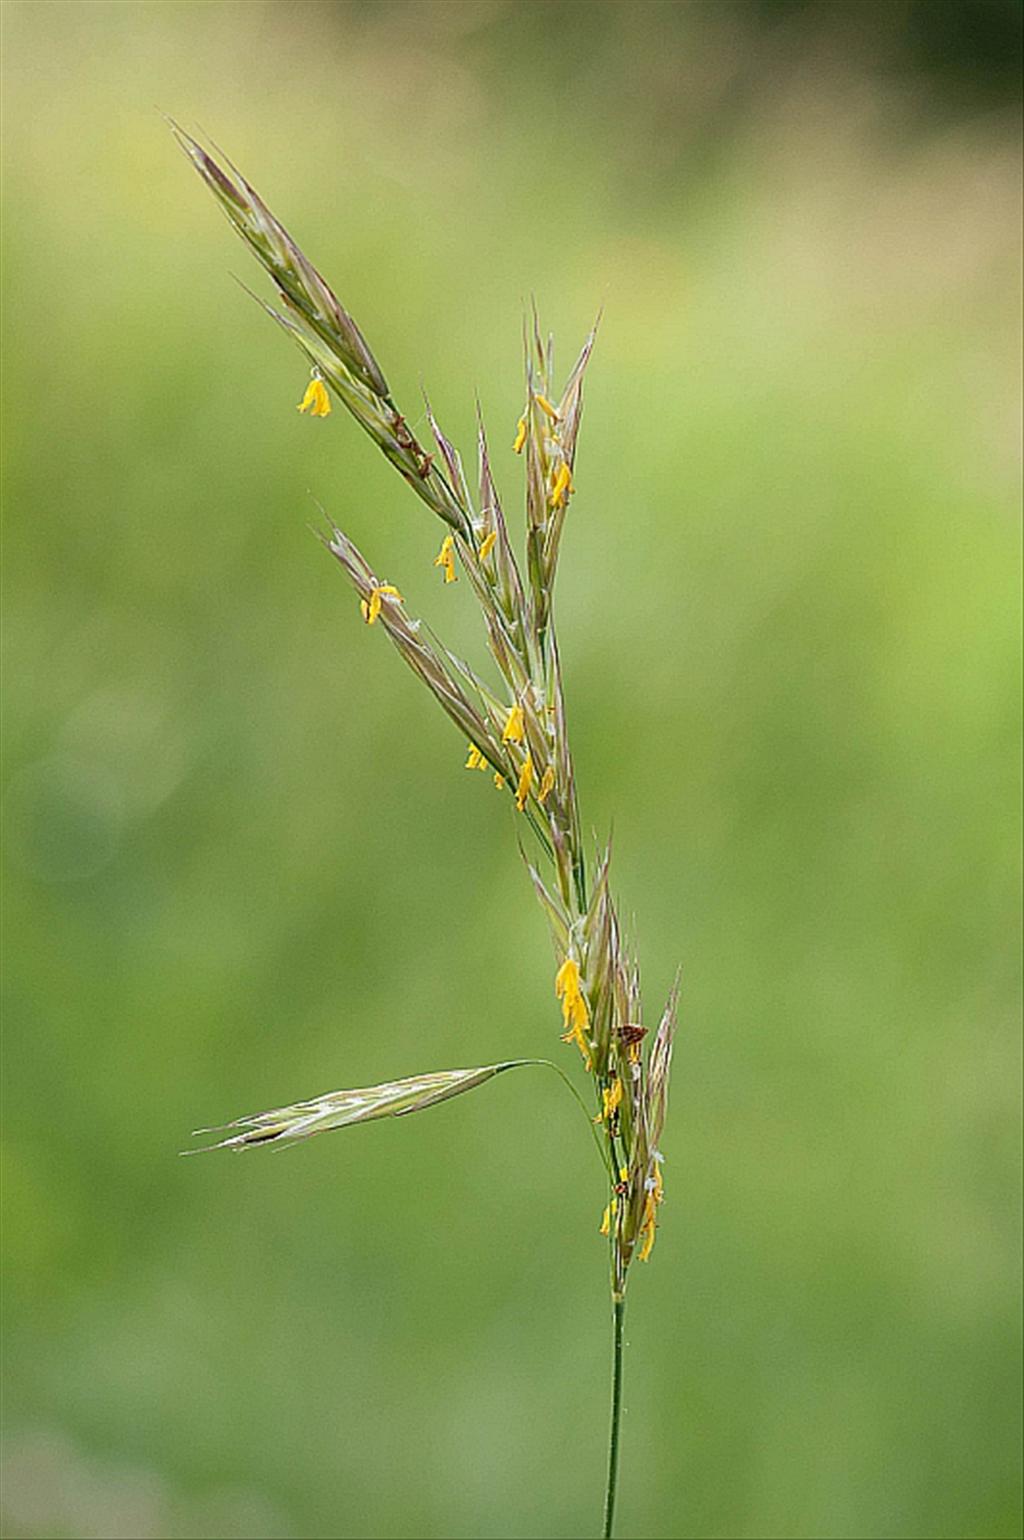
(649, 1222)
(524, 783)
(575, 1015)
(446, 558)
(476, 760)
(487, 544)
(371, 607)
(611, 1098)
(515, 726)
(561, 486)
(499, 780)
(547, 782)
(316, 401)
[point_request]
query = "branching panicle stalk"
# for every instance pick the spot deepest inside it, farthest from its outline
(516, 731)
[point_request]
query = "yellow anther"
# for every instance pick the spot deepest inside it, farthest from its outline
(476, 760)
(547, 782)
(487, 545)
(520, 438)
(545, 406)
(499, 780)
(371, 607)
(446, 558)
(649, 1222)
(611, 1096)
(524, 784)
(316, 401)
(567, 979)
(577, 1035)
(561, 487)
(606, 1218)
(515, 726)
(575, 1015)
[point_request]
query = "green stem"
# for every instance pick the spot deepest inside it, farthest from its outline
(618, 1316)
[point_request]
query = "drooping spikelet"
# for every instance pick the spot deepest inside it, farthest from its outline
(340, 1109)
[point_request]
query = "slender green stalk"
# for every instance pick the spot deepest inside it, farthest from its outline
(618, 1317)
(607, 1160)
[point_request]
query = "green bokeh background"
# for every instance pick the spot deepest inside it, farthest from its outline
(244, 864)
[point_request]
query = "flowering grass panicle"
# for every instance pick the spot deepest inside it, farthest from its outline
(516, 729)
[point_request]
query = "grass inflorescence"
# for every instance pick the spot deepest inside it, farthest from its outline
(515, 731)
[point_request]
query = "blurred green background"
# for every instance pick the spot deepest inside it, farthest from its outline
(244, 864)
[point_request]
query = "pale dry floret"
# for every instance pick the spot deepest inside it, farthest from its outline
(340, 1109)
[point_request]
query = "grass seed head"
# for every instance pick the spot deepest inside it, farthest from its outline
(516, 728)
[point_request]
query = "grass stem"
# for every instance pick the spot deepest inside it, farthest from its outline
(618, 1317)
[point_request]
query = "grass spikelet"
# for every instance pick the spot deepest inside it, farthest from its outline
(342, 1109)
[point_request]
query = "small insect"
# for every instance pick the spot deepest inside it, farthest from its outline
(631, 1034)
